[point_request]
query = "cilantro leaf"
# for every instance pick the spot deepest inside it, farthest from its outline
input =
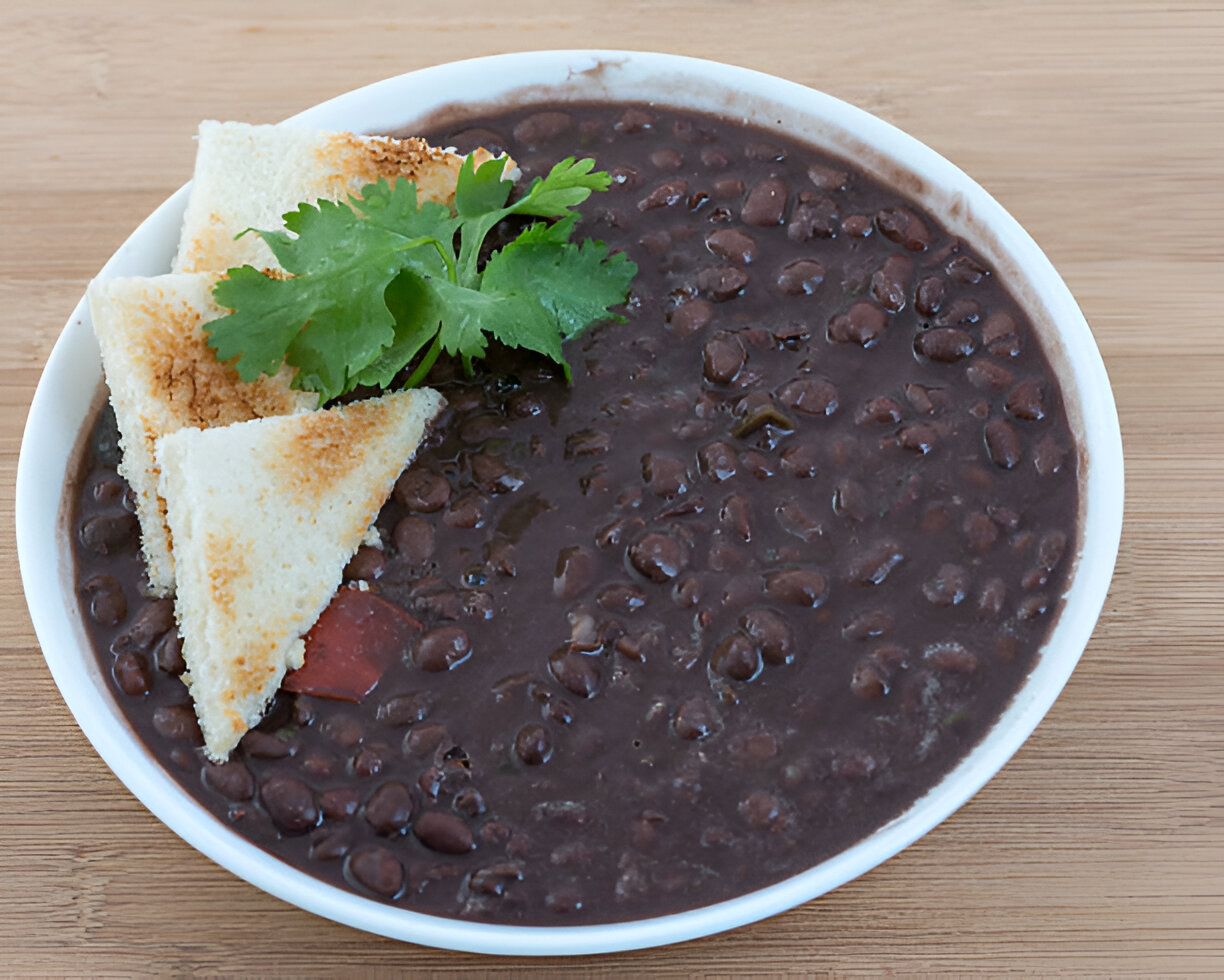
(550, 272)
(374, 285)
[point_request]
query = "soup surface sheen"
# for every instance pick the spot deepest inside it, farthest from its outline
(733, 600)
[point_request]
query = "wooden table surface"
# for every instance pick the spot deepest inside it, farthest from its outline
(1099, 848)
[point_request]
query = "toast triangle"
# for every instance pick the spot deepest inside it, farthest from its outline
(248, 176)
(265, 514)
(163, 377)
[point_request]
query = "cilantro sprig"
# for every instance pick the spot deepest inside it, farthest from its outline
(387, 281)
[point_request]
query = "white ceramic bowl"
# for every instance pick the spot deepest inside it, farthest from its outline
(71, 385)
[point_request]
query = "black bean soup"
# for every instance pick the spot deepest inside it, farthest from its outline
(730, 602)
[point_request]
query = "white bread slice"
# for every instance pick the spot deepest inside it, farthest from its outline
(248, 176)
(265, 514)
(163, 376)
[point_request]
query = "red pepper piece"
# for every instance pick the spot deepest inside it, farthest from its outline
(357, 637)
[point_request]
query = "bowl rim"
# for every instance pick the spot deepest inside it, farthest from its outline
(53, 433)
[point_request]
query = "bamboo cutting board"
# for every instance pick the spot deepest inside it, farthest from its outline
(1100, 126)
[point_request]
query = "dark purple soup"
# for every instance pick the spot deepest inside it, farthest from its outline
(737, 597)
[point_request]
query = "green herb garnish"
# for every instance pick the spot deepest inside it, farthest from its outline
(376, 285)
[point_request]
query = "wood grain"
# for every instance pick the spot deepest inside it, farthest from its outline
(1099, 849)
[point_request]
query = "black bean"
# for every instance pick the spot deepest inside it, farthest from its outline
(1049, 455)
(665, 195)
(444, 832)
(105, 533)
(722, 282)
(945, 345)
(389, 809)
(736, 657)
(366, 565)
(856, 225)
(665, 475)
(495, 879)
(872, 566)
(734, 245)
(107, 603)
(928, 298)
(862, 324)
(981, 531)
(422, 491)
(1001, 335)
(667, 158)
(1025, 401)
(868, 681)
(414, 539)
(231, 779)
(265, 745)
(985, 374)
(290, 804)
(868, 624)
(1050, 549)
(1032, 607)
(149, 625)
(441, 649)
(811, 396)
(766, 203)
(903, 227)
(573, 572)
(577, 672)
(367, 762)
(690, 317)
(469, 802)
(177, 722)
(533, 744)
(948, 587)
(852, 501)
(564, 898)
(634, 120)
(816, 218)
(540, 127)
(919, 437)
(800, 277)
(966, 269)
(587, 442)
(131, 673)
(493, 474)
(797, 521)
(961, 312)
(771, 634)
(468, 510)
(421, 740)
(950, 657)
(378, 870)
(717, 461)
(695, 719)
(797, 586)
(890, 283)
(802, 460)
(658, 557)
(762, 810)
(1002, 443)
(340, 803)
(883, 410)
(168, 654)
(621, 598)
(331, 844)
